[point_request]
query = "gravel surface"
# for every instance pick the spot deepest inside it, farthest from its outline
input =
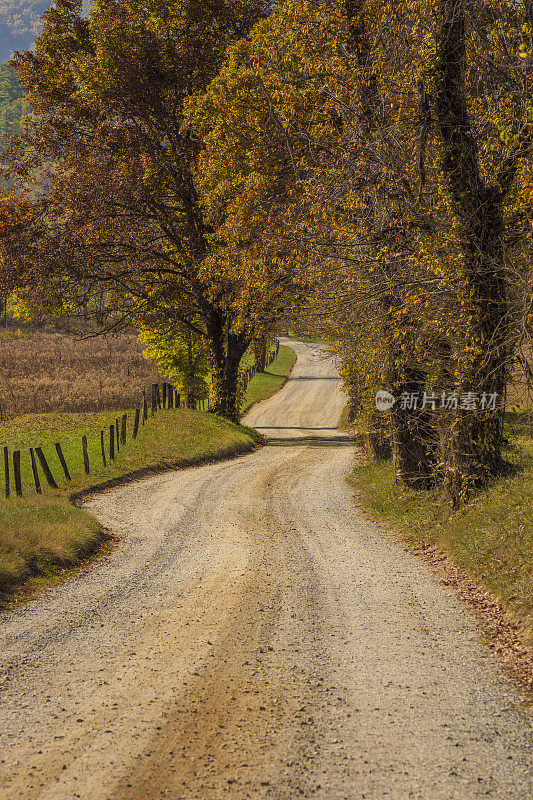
(253, 636)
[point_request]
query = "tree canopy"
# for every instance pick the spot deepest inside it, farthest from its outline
(112, 165)
(220, 165)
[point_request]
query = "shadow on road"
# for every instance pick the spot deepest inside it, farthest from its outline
(290, 428)
(314, 378)
(314, 441)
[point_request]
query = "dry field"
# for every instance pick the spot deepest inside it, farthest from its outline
(43, 370)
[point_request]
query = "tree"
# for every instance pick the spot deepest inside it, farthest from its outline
(113, 167)
(481, 192)
(402, 137)
(21, 23)
(183, 359)
(452, 140)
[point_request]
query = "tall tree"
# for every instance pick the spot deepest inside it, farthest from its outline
(481, 195)
(113, 166)
(405, 136)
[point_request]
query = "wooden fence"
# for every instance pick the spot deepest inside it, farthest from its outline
(252, 371)
(161, 397)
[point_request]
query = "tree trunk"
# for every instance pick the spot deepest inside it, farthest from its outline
(379, 437)
(259, 346)
(227, 350)
(475, 451)
(409, 438)
(476, 436)
(414, 437)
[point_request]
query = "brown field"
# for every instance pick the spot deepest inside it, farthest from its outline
(44, 370)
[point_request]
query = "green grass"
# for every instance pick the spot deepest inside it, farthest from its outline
(519, 424)
(170, 438)
(41, 534)
(344, 423)
(491, 538)
(265, 384)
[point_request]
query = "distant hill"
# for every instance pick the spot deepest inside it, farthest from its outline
(20, 23)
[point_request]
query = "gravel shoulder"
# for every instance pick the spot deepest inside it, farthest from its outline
(254, 636)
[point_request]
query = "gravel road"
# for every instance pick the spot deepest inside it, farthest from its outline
(253, 636)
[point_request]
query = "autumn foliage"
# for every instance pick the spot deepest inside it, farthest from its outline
(223, 165)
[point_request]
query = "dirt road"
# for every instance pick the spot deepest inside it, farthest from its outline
(253, 636)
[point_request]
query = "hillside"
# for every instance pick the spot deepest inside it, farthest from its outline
(20, 23)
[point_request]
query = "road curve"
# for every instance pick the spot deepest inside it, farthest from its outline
(253, 636)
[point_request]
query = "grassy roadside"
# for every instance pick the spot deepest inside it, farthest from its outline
(344, 420)
(41, 534)
(491, 539)
(44, 536)
(265, 384)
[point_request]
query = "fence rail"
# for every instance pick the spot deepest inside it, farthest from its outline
(162, 397)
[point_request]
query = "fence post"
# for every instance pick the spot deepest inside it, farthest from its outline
(6, 470)
(158, 396)
(136, 422)
(154, 400)
(117, 423)
(62, 460)
(123, 429)
(16, 470)
(165, 394)
(85, 454)
(35, 473)
(46, 469)
(102, 445)
(111, 442)
(145, 407)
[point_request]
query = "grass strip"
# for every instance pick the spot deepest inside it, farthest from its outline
(491, 538)
(44, 535)
(265, 384)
